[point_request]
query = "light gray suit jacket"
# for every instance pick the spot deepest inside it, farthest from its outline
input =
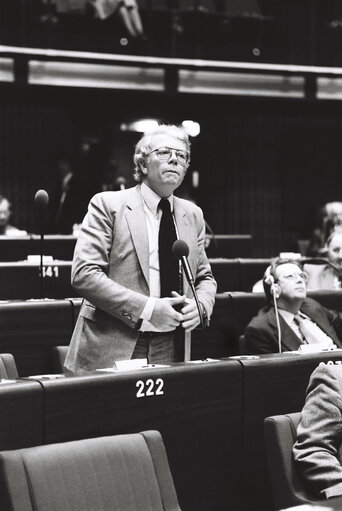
(317, 450)
(111, 271)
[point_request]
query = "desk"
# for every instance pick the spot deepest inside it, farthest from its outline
(328, 505)
(237, 274)
(21, 280)
(229, 245)
(273, 384)
(21, 416)
(211, 417)
(18, 248)
(29, 329)
(199, 416)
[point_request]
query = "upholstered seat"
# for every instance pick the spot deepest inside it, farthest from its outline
(58, 357)
(122, 473)
(8, 368)
(287, 486)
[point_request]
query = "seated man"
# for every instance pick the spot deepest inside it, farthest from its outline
(298, 319)
(327, 276)
(317, 451)
(5, 212)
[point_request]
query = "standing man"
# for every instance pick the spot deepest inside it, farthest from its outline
(302, 320)
(135, 296)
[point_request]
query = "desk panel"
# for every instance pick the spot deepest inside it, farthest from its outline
(237, 274)
(21, 280)
(273, 384)
(198, 415)
(229, 245)
(17, 249)
(21, 416)
(29, 329)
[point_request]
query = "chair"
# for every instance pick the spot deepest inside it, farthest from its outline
(8, 368)
(58, 357)
(123, 472)
(287, 486)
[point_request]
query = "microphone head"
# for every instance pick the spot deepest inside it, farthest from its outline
(41, 198)
(180, 249)
(120, 181)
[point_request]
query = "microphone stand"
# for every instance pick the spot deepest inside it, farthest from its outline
(194, 292)
(41, 267)
(203, 343)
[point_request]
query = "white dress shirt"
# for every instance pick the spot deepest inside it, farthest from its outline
(313, 333)
(152, 217)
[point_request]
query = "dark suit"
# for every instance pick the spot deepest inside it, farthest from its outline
(111, 271)
(261, 334)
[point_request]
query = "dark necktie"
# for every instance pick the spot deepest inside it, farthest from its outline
(168, 264)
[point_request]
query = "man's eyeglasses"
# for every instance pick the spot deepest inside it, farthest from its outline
(292, 277)
(164, 154)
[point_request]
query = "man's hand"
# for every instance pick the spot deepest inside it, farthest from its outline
(164, 316)
(189, 311)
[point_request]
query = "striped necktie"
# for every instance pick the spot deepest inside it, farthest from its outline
(311, 333)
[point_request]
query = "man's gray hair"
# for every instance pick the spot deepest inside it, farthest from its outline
(145, 144)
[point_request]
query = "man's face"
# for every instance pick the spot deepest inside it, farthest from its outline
(4, 213)
(335, 249)
(292, 282)
(164, 176)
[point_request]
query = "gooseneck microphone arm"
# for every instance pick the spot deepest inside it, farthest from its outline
(181, 251)
(41, 199)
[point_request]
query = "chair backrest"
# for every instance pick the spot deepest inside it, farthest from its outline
(287, 486)
(124, 472)
(8, 368)
(58, 357)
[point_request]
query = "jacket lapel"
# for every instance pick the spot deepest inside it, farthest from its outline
(135, 216)
(187, 233)
(323, 325)
(288, 337)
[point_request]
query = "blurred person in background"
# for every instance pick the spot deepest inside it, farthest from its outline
(330, 217)
(327, 276)
(5, 213)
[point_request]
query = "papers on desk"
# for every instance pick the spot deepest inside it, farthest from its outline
(314, 348)
(47, 376)
(203, 361)
(130, 365)
(35, 259)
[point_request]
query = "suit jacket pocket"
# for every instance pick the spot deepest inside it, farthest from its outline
(97, 315)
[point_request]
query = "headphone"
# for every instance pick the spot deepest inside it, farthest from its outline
(270, 281)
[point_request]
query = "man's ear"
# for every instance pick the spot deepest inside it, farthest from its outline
(143, 167)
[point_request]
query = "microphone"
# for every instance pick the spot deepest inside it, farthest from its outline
(181, 251)
(121, 183)
(41, 199)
